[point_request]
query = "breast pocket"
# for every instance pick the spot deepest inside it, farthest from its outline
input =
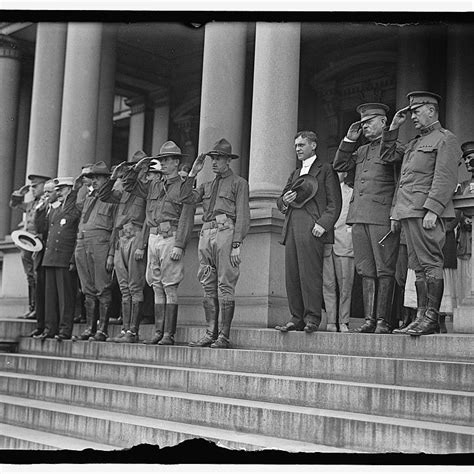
(424, 158)
(104, 209)
(227, 201)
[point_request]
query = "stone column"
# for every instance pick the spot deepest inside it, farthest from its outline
(9, 89)
(105, 120)
(161, 113)
(274, 108)
(459, 102)
(80, 98)
(412, 71)
(46, 102)
(137, 124)
(223, 83)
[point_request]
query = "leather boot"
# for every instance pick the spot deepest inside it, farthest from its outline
(211, 313)
(227, 311)
(368, 289)
(421, 304)
(171, 319)
(442, 323)
(159, 324)
(101, 334)
(407, 319)
(126, 308)
(132, 334)
(384, 305)
(91, 319)
(430, 321)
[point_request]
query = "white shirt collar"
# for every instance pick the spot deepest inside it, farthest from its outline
(309, 161)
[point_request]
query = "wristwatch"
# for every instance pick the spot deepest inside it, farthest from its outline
(235, 245)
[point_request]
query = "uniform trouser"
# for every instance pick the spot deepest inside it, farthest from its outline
(91, 258)
(425, 247)
(161, 271)
(338, 272)
(401, 268)
(60, 300)
(40, 302)
(303, 269)
(28, 266)
(216, 274)
(372, 259)
(130, 272)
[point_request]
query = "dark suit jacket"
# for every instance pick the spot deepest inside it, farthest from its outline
(325, 206)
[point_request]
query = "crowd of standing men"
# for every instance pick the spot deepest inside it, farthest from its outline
(380, 207)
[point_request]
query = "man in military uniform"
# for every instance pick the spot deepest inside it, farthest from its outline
(311, 202)
(375, 247)
(94, 254)
(129, 262)
(17, 201)
(226, 222)
(168, 226)
(424, 198)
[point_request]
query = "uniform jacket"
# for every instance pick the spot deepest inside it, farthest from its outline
(232, 199)
(130, 208)
(163, 204)
(325, 206)
(61, 241)
(29, 208)
(374, 183)
(428, 176)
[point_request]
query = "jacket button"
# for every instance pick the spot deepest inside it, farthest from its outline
(401, 185)
(361, 193)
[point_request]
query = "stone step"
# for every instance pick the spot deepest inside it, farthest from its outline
(127, 430)
(19, 437)
(307, 424)
(450, 406)
(436, 374)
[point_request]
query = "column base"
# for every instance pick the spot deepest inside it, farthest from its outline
(463, 317)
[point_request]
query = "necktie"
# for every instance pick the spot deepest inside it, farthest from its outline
(89, 209)
(212, 201)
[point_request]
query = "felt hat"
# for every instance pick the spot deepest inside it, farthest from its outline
(370, 110)
(68, 181)
(99, 168)
(419, 98)
(222, 148)
(26, 241)
(137, 156)
(306, 187)
(169, 148)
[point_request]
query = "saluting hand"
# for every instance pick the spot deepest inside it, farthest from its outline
(235, 257)
(318, 230)
(198, 165)
(176, 254)
(399, 118)
(78, 183)
(429, 221)
(354, 131)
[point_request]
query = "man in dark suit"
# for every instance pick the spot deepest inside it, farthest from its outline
(311, 202)
(369, 215)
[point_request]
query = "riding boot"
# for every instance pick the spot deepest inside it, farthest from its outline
(159, 324)
(407, 319)
(227, 311)
(211, 313)
(126, 308)
(101, 334)
(30, 313)
(429, 324)
(384, 305)
(421, 304)
(171, 319)
(368, 289)
(132, 333)
(91, 319)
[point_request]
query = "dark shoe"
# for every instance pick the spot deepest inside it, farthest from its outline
(221, 343)
(167, 340)
(289, 326)
(61, 337)
(118, 338)
(407, 320)
(99, 336)
(382, 327)
(368, 290)
(368, 327)
(45, 335)
(205, 341)
(129, 337)
(311, 327)
(35, 333)
(86, 335)
(428, 325)
(156, 339)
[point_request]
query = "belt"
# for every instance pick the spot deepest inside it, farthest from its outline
(93, 233)
(165, 233)
(214, 224)
(127, 232)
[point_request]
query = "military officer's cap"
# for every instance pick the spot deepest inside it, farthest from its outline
(370, 110)
(419, 98)
(169, 148)
(38, 178)
(222, 148)
(467, 148)
(59, 182)
(98, 169)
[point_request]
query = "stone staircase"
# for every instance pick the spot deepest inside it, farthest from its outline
(325, 392)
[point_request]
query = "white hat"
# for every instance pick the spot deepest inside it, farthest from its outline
(68, 181)
(26, 241)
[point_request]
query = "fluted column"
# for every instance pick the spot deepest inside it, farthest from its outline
(47, 96)
(106, 94)
(459, 82)
(412, 71)
(274, 108)
(161, 113)
(81, 97)
(223, 84)
(9, 89)
(137, 124)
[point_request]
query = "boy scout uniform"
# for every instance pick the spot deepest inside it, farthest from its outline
(226, 221)
(169, 224)
(129, 218)
(95, 242)
(428, 180)
(369, 215)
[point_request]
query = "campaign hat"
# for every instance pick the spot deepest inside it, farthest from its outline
(222, 148)
(169, 148)
(98, 169)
